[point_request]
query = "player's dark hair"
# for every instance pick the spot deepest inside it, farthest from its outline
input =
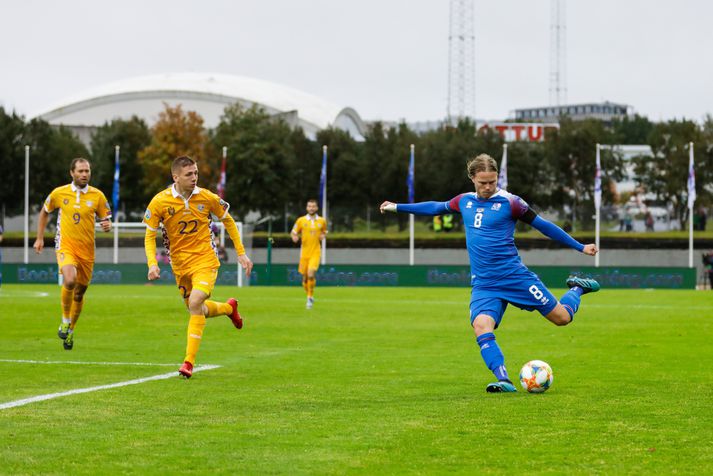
(180, 162)
(74, 163)
(313, 200)
(482, 163)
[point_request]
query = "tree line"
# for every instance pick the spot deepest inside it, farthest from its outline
(273, 168)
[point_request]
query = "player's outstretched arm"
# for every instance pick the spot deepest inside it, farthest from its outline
(421, 208)
(105, 224)
(246, 264)
(104, 213)
(234, 234)
(590, 249)
(556, 233)
(150, 249)
(41, 225)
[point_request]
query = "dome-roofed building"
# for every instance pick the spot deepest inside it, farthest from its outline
(207, 94)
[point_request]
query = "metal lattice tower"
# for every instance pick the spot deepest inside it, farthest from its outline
(461, 60)
(558, 52)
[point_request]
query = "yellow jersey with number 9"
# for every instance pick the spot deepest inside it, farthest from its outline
(186, 226)
(78, 210)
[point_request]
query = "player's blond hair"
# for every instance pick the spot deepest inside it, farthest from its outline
(482, 163)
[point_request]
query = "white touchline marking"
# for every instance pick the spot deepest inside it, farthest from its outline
(650, 306)
(49, 396)
(75, 362)
(23, 294)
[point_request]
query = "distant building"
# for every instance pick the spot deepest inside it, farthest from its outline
(605, 111)
(206, 94)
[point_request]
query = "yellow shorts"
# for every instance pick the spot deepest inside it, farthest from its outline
(84, 268)
(201, 279)
(308, 262)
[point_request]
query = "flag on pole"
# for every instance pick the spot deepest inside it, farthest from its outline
(221, 182)
(323, 179)
(691, 178)
(115, 192)
(410, 179)
(503, 175)
(598, 183)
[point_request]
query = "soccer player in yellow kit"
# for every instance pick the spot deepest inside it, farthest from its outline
(311, 229)
(79, 204)
(185, 211)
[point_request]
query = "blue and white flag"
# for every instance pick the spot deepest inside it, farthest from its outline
(323, 179)
(115, 192)
(410, 178)
(691, 178)
(598, 183)
(503, 175)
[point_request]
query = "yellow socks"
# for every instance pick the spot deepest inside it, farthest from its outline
(217, 308)
(66, 298)
(195, 334)
(311, 282)
(75, 311)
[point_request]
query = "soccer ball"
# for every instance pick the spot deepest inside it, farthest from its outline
(536, 376)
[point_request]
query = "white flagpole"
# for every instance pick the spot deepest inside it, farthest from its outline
(116, 214)
(324, 209)
(411, 223)
(503, 174)
(27, 204)
(691, 199)
(597, 205)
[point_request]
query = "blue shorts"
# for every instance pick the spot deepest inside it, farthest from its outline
(523, 289)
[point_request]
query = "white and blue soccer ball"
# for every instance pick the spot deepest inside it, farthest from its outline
(536, 376)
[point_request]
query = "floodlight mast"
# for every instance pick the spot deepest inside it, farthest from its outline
(558, 52)
(461, 61)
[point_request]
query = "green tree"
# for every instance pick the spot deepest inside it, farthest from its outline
(570, 154)
(530, 176)
(306, 170)
(260, 162)
(384, 165)
(346, 195)
(666, 173)
(131, 136)
(380, 169)
(704, 163)
(12, 159)
(51, 152)
(632, 130)
(445, 152)
(176, 133)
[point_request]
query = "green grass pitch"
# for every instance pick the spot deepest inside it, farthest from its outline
(371, 381)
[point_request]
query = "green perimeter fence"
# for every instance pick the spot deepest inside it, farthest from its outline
(370, 275)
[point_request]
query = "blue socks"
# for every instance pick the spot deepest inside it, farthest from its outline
(571, 299)
(493, 356)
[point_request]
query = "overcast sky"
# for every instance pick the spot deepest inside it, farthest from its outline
(388, 59)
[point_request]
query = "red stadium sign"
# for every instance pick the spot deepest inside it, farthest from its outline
(516, 131)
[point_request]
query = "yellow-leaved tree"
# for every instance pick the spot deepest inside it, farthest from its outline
(177, 133)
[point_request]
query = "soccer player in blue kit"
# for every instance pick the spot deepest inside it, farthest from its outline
(498, 276)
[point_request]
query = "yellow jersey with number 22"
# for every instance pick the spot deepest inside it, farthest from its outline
(186, 226)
